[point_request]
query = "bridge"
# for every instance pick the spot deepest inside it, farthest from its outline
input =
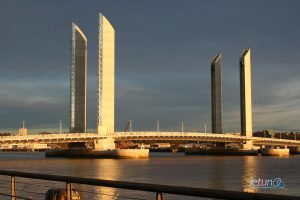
(201, 137)
(144, 137)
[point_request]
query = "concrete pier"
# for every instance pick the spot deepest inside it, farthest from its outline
(90, 153)
(294, 150)
(275, 152)
(221, 152)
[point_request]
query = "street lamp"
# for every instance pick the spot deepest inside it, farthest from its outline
(23, 122)
(157, 126)
(280, 134)
(130, 125)
(60, 125)
(182, 123)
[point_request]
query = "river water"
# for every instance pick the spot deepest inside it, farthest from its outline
(217, 172)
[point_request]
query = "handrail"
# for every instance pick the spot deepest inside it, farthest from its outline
(159, 189)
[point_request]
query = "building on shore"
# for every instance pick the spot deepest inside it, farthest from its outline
(22, 132)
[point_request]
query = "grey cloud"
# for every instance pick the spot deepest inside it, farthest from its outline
(163, 52)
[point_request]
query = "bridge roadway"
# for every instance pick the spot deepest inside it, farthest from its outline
(182, 137)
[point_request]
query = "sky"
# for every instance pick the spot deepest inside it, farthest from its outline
(163, 52)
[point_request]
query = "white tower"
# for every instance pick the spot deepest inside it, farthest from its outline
(106, 77)
(246, 95)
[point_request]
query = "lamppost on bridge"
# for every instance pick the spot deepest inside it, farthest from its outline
(204, 127)
(280, 134)
(23, 124)
(130, 125)
(264, 131)
(60, 125)
(157, 126)
(182, 124)
(236, 131)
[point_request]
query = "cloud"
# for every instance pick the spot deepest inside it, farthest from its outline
(162, 61)
(41, 104)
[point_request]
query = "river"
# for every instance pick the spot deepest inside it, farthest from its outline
(217, 172)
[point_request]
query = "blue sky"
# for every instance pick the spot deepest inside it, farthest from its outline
(163, 55)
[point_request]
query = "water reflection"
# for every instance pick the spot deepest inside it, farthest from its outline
(109, 170)
(218, 169)
(250, 171)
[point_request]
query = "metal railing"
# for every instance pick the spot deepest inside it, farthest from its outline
(158, 189)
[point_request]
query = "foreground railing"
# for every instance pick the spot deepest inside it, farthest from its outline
(158, 189)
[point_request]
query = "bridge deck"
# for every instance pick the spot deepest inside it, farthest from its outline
(145, 136)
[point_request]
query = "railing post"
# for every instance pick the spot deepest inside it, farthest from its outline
(159, 196)
(69, 191)
(13, 188)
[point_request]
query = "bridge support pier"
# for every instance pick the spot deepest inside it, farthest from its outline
(294, 150)
(298, 149)
(248, 145)
(104, 144)
(220, 145)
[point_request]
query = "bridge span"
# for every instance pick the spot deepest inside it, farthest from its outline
(51, 138)
(201, 137)
(182, 137)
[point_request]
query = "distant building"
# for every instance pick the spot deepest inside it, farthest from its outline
(78, 81)
(216, 94)
(245, 93)
(22, 132)
(106, 76)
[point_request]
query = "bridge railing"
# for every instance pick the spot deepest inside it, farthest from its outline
(181, 134)
(159, 190)
(46, 137)
(227, 137)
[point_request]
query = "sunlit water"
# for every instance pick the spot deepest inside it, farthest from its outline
(226, 172)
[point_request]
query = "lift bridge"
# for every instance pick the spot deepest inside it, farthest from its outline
(146, 137)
